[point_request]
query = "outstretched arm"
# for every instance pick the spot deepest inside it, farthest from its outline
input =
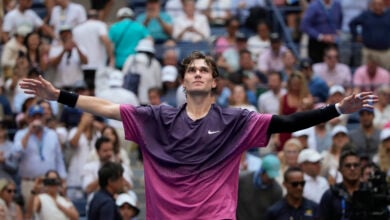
(97, 106)
(305, 119)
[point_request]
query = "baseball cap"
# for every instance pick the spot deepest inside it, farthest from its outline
(303, 132)
(169, 73)
(336, 89)
(305, 63)
(124, 12)
(145, 45)
(271, 165)
(339, 129)
(34, 110)
(129, 198)
(309, 155)
(275, 37)
(23, 30)
(385, 134)
(116, 78)
(64, 28)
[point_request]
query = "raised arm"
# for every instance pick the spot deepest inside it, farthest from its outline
(305, 119)
(97, 106)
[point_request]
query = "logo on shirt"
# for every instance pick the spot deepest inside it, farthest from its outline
(212, 132)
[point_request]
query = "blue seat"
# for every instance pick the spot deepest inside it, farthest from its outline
(39, 7)
(186, 48)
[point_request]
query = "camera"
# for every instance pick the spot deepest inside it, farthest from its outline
(51, 182)
(372, 200)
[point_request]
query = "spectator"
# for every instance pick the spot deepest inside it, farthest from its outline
(93, 35)
(170, 84)
(383, 156)
(242, 8)
(382, 108)
(147, 66)
(192, 26)
(309, 161)
(336, 203)
(272, 58)
(294, 205)
(8, 166)
(90, 171)
(306, 137)
(371, 76)
(322, 22)
(11, 209)
(127, 204)
(120, 154)
(249, 162)
(330, 163)
(23, 15)
(82, 141)
(336, 93)
(366, 136)
(269, 101)
(38, 150)
(125, 34)
(103, 7)
(259, 190)
(317, 86)
(230, 59)
(227, 41)
(323, 137)
(154, 96)
(369, 172)
(260, 42)
(13, 49)
(289, 64)
(67, 57)
(217, 11)
(37, 51)
(50, 204)
(174, 8)
(110, 182)
(158, 23)
(333, 72)
(373, 23)
(66, 13)
(239, 99)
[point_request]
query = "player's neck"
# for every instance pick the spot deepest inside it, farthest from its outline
(198, 107)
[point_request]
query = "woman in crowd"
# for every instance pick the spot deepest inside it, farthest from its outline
(239, 99)
(37, 53)
(12, 211)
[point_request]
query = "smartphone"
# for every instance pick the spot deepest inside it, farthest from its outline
(51, 182)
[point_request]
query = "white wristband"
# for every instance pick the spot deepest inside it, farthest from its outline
(337, 106)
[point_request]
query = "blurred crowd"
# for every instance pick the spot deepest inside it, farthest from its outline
(50, 152)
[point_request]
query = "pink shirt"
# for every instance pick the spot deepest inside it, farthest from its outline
(362, 80)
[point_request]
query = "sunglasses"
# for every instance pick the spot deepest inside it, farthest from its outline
(297, 183)
(350, 165)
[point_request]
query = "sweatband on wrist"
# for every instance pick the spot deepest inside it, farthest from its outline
(68, 98)
(337, 106)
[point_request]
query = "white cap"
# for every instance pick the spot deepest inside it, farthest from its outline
(336, 89)
(129, 198)
(124, 12)
(169, 73)
(23, 30)
(339, 129)
(145, 45)
(309, 155)
(385, 134)
(115, 78)
(303, 132)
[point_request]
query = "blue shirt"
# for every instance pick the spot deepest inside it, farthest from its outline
(103, 207)
(318, 89)
(319, 19)
(39, 156)
(154, 27)
(282, 211)
(125, 35)
(375, 29)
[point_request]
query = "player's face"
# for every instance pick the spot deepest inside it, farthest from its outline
(198, 78)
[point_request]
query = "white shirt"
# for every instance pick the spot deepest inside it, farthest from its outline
(199, 22)
(174, 8)
(89, 34)
(15, 18)
(71, 16)
(269, 102)
(219, 8)
(49, 209)
(80, 156)
(69, 70)
(257, 46)
(314, 188)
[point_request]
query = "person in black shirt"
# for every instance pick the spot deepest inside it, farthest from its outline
(294, 205)
(103, 205)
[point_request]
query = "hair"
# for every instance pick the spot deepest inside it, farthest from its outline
(347, 153)
(116, 142)
(304, 90)
(156, 90)
(231, 99)
(330, 48)
(279, 74)
(37, 51)
(230, 20)
(291, 170)
(100, 141)
(370, 165)
(384, 160)
(52, 171)
(196, 55)
(245, 51)
(109, 171)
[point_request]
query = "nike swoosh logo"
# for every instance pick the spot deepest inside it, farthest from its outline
(212, 132)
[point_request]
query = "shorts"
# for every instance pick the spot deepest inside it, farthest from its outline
(99, 4)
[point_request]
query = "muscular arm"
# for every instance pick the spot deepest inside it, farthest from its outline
(301, 120)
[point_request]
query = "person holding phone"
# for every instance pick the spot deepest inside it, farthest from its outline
(51, 203)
